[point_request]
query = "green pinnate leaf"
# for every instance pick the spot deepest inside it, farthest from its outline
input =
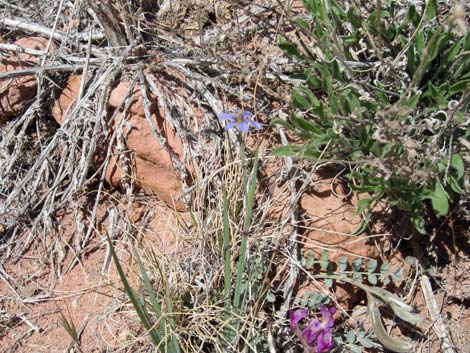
(350, 337)
(357, 277)
(384, 268)
(365, 341)
(309, 260)
(328, 282)
(354, 348)
(356, 264)
(371, 265)
(372, 279)
(342, 264)
(316, 299)
(397, 274)
(324, 259)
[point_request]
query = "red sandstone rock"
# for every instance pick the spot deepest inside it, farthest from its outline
(140, 138)
(152, 168)
(331, 220)
(66, 100)
(118, 94)
(16, 93)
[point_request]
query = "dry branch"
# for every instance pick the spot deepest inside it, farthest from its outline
(28, 26)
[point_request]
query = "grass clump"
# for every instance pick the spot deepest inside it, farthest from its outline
(214, 311)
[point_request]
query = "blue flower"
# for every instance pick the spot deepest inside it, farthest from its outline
(240, 119)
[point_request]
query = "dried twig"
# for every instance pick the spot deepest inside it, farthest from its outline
(434, 312)
(28, 26)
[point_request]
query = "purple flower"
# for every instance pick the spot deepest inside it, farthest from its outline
(316, 331)
(240, 119)
(296, 316)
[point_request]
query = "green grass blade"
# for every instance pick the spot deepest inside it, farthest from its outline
(228, 334)
(226, 253)
(169, 306)
(250, 199)
(144, 318)
(69, 326)
(153, 299)
(240, 268)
